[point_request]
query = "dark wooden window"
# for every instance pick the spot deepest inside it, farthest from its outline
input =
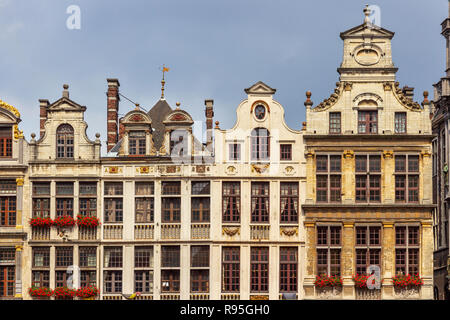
(144, 209)
(136, 140)
(143, 281)
(88, 189)
(407, 178)
(199, 256)
(112, 281)
(171, 188)
(88, 257)
(40, 202)
(285, 151)
(234, 151)
(288, 269)
(328, 178)
(61, 277)
(88, 207)
(400, 122)
(259, 269)
(143, 274)
(41, 189)
(199, 281)
(7, 280)
(230, 269)
(113, 188)
(200, 208)
(113, 257)
(200, 188)
(329, 250)
(41, 257)
(143, 257)
(335, 122)
(407, 245)
(170, 280)
(7, 211)
(199, 277)
(170, 256)
(289, 202)
(8, 187)
(368, 248)
(231, 201)
(171, 209)
(40, 278)
(5, 142)
(144, 188)
(260, 144)
(260, 202)
(7, 256)
(368, 178)
(64, 256)
(368, 122)
(64, 141)
(88, 278)
(64, 207)
(113, 209)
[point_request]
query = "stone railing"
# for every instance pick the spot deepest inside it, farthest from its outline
(200, 231)
(144, 231)
(368, 294)
(170, 231)
(199, 297)
(40, 233)
(169, 296)
(112, 232)
(87, 233)
(230, 296)
(259, 232)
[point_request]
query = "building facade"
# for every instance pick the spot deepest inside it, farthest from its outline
(441, 194)
(368, 166)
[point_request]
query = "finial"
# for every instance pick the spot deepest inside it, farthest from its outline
(308, 102)
(366, 13)
(178, 105)
(65, 93)
(425, 97)
(217, 124)
(163, 82)
(137, 106)
(303, 126)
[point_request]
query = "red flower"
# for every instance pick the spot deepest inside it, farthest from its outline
(86, 221)
(41, 222)
(64, 221)
(328, 281)
(87, 292)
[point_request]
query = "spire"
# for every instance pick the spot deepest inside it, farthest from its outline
(163, 82)
(367, 14)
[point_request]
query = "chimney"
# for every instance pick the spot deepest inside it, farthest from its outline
(408, 92)
(43, 104)
(209, 113)
(113, 110)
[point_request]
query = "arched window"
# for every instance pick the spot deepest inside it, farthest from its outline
(64, 141)
(260, 144)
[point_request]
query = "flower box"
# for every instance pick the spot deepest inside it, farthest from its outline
(87, 293)
(40, 292)
(41, 222)
(64, 293)
(85, 221)
(403, 281)
(328, 281)
(64, 221)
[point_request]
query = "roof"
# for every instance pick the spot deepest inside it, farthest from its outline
(158, 113)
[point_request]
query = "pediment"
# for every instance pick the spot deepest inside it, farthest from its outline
(178, 117)
(137, 116)
(364, 30)
(260, 88)
(9, 111)
(65, 104)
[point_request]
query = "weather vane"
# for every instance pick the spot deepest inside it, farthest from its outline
(163, 82)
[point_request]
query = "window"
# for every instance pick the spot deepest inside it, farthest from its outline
(88, 207)
(61, 278)
(143, 273)
(259, 269)
(328, 178)
(64, 141)
(260, 202)
(64, 188)
(113, 188)
(88, 278)
(368, 248)
(171, 209)
(171, 188)
(7, 255)
(41, 188)
(64, 256)
(231, 201)
(5, 142)
(200, 187)
(136, 140)
(40, 279)
(406, 178)
(7, 211)
(179, 143)
(113, 210)
(289, 202)
(234, 151)
(260, 144)
(328, 250)
(335, 122)
(368, 178)
(88, 257)
(400, 122)
(144, 210)
(367, 122)
(7, 272)
(143, 281)
(143, 257)
(286, 152)
(170, 280)
(88, 189)
(64, 207)
(41, 257)
(41, 199)
(113, 257)
(200, 209)
(8, 187)
(407, 246)
(170, 256)
(112, 281)
(230, 269)
(144, 188)
(199, 277)
(288, 269)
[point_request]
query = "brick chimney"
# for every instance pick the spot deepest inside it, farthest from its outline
(113, 110)
(43, 104)
(209, 113)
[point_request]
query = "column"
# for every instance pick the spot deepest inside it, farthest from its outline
(157, 272)
(185, 273)
(310, 260)
(387, 176)
(348, 177)
(311, 179)
(427, 260)
(245, 272)
(388, 260)
(128, 269)
(19, 203)
(215, 272)
(274, 272)
(347, 260)
(19, 250)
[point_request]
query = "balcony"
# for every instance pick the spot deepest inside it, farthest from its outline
(87, 233)
(40, 233)
(144, 231)
(170, 231)
(259, 232)
(200, 231)
(112, 232)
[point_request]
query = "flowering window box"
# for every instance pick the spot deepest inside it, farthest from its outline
(86, 221)
(328, 281)
(87, 293)
(64, 293)
(64, 221)
(41, 222)
(42, 292)
(407, 281)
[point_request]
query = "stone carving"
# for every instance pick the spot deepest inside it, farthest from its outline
(407, 293)
(405, 101)
(388, 154)
(113, 169)
(144, 169)
(9, 107)
(289, 231)
(327, 293)
(19, 181)
(260, 169)
(18, 134)
(289, 170)
(328, 103)
(368, 294)
(231, 231)
(348, 154)
(231, 170)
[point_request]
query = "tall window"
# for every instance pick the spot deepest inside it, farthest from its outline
(88, 199)
(170, 272)
(200, 269)
(64, 141)
(367, 122)
(400, 122)
(7, 271)
(407, 246)
(171, 201)
(329, 250)
(7, 211)
(64, 199)
(5, 142)
(144, 202)
(259, 269)
(136, 141)
(328, 178)
(112, 276)
(368, 248)
(285, 152)
(200, 204)
(41, 199)
(289, 202)
(143, 269)
(40, 267)
(88, 266)
(64, 259)
(234, 151)
(260, 202)
(407, 178)
(368, 178)
(335, 122)
(114, 202)
(231, 201)
(230, 269)
(288, 269)
(260, 144)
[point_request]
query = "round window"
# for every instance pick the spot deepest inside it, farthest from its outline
(260, 112)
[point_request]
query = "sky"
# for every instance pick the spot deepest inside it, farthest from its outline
(214, 49)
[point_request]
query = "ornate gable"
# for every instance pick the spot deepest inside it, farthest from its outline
(260, 88)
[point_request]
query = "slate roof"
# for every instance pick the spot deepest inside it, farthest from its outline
(158, 113)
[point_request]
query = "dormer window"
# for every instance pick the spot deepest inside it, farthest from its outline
(260, 144)
(178, 143)
(64, 141)
(368, 122)
(5, 142)
(136, 141)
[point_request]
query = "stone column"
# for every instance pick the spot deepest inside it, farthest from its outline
(426, 177)
(19, 250)
(274, 271)
(128, 211)
(245, 272)
(347, 257)
(348, 177)
(427, 260)
(157, 272)
(387, 176)
(128, 269)
(310, 259)
(19, 203)
(388, 260)
(215, 272)
(185, 272)
(311, 179)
